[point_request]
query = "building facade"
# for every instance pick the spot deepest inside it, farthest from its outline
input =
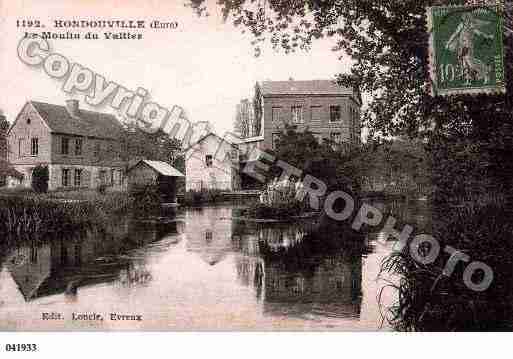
(329, 111)
(80, 148)
(212, 163)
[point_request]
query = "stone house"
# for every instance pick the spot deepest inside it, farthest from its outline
(81, 148)
(212, 162)
(329, 111)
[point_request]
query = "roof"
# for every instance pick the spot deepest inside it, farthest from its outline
(312, 87)
(163, 168)
(208, 135)
(89, 123)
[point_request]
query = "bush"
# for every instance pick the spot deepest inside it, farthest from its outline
(40, 178)
(431, 301)
(283, 210)
(205, 196)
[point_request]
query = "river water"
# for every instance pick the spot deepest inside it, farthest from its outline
(202, 270)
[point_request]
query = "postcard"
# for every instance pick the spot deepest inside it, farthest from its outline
(309, 166)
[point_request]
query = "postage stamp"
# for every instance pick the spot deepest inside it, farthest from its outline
(466, 49)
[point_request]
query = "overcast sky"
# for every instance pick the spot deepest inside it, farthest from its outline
(206, 66)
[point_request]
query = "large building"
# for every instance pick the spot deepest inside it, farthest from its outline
(80, 148)
(326, 109)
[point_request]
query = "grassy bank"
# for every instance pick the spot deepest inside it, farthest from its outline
(430, 300)
(203, 197)
(24, 213)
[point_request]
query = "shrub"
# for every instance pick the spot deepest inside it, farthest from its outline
(431, 301)
(40, 178)
(205, 196)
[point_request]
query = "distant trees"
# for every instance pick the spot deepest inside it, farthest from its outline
(138, 144)
(244, 122)
(4, 127)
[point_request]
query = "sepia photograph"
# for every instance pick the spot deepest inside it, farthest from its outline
(255, 166)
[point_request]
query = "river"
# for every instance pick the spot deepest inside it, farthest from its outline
(202, 270)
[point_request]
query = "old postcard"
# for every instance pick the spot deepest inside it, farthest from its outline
(197, 165)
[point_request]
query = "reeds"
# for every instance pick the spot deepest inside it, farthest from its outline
(39, 215)
(428, 300)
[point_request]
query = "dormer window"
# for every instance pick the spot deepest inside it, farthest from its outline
(28, 121)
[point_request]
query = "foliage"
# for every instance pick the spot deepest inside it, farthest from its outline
(326, 161)
(281, 210)
(138, 144)
(244, 119)
(146, 199)
(257, 108)
(40, 176)
(204, 196)
(431, 301)
(388, 44)
(32, 214)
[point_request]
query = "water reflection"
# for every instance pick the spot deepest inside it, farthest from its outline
(202, 270)
(66, 263)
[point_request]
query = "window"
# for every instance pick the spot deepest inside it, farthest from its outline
(34, 147)
(208, 160)
(316, 113)
(78, 147)
(335, 114)
(112, 177)
(97, 148)
(65, 177)
(276, 114)
(208, 236)
(78, 177)
(336, 137)
(297, 114)
(120, 178)
(275, 139)
(21, 144)
(65, 146)
(28, 121)
(103, 177)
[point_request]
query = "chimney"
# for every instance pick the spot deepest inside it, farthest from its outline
(72, 107)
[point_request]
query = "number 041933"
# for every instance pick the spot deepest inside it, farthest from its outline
(21, 347)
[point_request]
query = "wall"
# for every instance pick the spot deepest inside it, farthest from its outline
(90, 177)
(323, 126)
(107, 156)
(220, 175)
(23, 130)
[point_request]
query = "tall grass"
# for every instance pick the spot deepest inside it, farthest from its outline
(428, 300)
(40, 215)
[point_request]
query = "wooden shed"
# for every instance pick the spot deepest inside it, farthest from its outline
(154, 173)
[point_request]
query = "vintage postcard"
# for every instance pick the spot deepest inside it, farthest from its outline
(197, 165)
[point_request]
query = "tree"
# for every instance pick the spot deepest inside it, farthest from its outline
(4, 127)
(137, 144)
(388, 43)
(40, 178)
(244, 119)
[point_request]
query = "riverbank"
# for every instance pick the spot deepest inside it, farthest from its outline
(25, 213)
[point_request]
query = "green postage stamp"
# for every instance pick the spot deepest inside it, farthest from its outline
(466, 49)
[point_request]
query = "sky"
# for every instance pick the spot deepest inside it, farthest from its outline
(204, 65)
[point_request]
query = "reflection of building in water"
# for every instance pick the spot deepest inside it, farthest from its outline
(62, 265)
(296, 279)
(209, 233)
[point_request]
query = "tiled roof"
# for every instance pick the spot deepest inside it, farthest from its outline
(88, 123)
(313, 87)
(163, 168)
